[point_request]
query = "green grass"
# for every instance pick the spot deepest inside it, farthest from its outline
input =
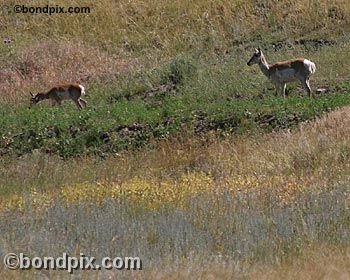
(170, 97)
(134, 110)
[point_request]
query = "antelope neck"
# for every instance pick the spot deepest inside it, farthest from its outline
(264, 66)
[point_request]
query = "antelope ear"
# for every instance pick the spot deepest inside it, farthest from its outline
(259, 50)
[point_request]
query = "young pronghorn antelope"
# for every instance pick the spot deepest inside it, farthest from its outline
(284, 72)
(62, 92)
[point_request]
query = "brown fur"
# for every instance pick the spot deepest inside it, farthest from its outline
(61, 92)
(283, 72)
(296, 63)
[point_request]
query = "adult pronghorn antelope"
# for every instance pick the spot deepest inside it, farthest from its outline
(62, 92)
(284, 72)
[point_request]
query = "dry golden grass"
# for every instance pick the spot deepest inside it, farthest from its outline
(313, 157)
(322, 262)
(318, 263)
(169, 25)
(287, 162)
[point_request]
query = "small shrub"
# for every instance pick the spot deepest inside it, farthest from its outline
(179, 70)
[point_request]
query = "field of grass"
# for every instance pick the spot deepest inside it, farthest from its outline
(184, 156)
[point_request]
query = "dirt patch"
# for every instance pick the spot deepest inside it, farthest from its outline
(159, 91)
(315, 43)
(308, 44)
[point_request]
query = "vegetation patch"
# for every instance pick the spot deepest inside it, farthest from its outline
(184, 155)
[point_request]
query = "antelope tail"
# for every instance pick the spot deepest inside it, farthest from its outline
(310, 66)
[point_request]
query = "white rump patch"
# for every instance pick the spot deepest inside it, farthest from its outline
(82, 90)
(310, 66)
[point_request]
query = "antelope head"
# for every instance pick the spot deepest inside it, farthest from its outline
(255, 57)
(34, 98)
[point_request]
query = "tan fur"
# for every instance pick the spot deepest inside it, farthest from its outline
(296, 63)
(62, 92)
(280, 73)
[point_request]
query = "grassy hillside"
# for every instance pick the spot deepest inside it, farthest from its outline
(186, 93)
(184, 155)
(151, 77)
